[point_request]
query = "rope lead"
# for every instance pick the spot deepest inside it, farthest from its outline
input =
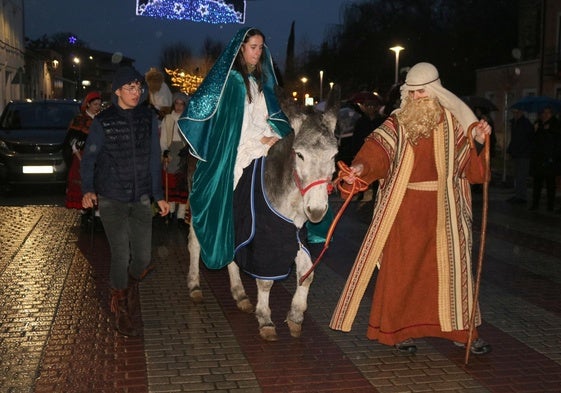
(359, 185)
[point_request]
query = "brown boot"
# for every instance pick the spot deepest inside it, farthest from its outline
(123, 322)
(133, 299)
(133, 295)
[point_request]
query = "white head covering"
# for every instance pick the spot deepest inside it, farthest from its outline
(425, 76)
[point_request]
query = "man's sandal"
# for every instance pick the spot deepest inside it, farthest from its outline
(478, 346)
(406, 347)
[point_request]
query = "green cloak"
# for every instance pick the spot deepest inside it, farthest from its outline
(212, 125)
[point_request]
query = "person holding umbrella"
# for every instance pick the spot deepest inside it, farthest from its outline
(544, 160)
(519, 149)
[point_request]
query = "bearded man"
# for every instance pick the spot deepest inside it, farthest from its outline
(425, 155)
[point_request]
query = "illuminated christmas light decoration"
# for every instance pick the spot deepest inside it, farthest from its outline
(209, 11)
(187, 83)
(72, 40)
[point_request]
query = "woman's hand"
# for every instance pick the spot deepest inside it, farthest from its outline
(269, 140)
(481, 129)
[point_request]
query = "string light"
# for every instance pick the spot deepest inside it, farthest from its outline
(187, 83)
(209, 11)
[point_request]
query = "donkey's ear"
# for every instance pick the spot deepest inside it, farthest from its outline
(296, 122)
(286, 102)
(329, 117)
(333, 102)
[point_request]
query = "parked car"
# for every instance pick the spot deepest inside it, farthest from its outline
(31, 138)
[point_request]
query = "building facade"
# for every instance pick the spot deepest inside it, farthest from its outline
(12, 50)
(534, 71)
(40, 70)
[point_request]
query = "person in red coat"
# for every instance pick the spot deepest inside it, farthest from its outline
(72, 151)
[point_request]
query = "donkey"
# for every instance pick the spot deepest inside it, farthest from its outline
(296, 180)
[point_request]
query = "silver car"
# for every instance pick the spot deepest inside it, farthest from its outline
(31, 138)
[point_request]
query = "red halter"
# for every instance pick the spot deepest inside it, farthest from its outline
(304, 190)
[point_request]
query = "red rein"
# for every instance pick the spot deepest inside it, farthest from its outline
(359, 185)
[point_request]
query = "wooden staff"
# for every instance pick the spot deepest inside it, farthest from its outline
(487, 177)
(92, 229)
(166, 182)
(167, 187)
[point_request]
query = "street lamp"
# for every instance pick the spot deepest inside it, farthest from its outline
(303, 80)
(397, 49)
(320, 86)
(76, 61)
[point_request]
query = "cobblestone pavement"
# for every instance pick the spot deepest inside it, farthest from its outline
(56, 332)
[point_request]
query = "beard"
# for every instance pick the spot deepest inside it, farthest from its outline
(420, 117)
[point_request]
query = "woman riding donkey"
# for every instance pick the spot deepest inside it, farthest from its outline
(231, 123)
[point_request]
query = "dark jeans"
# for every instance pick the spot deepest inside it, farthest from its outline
(549, 181)
(521, 172)
(128, 227)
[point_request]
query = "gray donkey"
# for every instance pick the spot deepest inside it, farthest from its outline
(292, 183)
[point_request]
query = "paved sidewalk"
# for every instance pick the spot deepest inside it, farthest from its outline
(56, 331)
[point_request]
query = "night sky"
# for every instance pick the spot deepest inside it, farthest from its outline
(113, 26)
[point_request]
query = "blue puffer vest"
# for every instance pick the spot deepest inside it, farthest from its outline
(122, 168)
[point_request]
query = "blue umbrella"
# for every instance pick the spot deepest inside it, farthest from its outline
(537, 104)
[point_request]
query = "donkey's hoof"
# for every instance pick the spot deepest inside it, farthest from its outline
(295, 328)
(245, 305)
(196, 296)
(268, 333)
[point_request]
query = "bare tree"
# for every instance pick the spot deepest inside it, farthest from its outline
(458, 36)
(210, 52)
(176, 56)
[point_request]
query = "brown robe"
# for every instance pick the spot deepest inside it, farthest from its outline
(425, 282)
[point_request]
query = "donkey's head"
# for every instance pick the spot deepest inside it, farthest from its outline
(314, 148)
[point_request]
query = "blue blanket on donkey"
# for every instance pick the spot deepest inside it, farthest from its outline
(266, 241)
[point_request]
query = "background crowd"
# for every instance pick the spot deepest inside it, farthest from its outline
(533, 149)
